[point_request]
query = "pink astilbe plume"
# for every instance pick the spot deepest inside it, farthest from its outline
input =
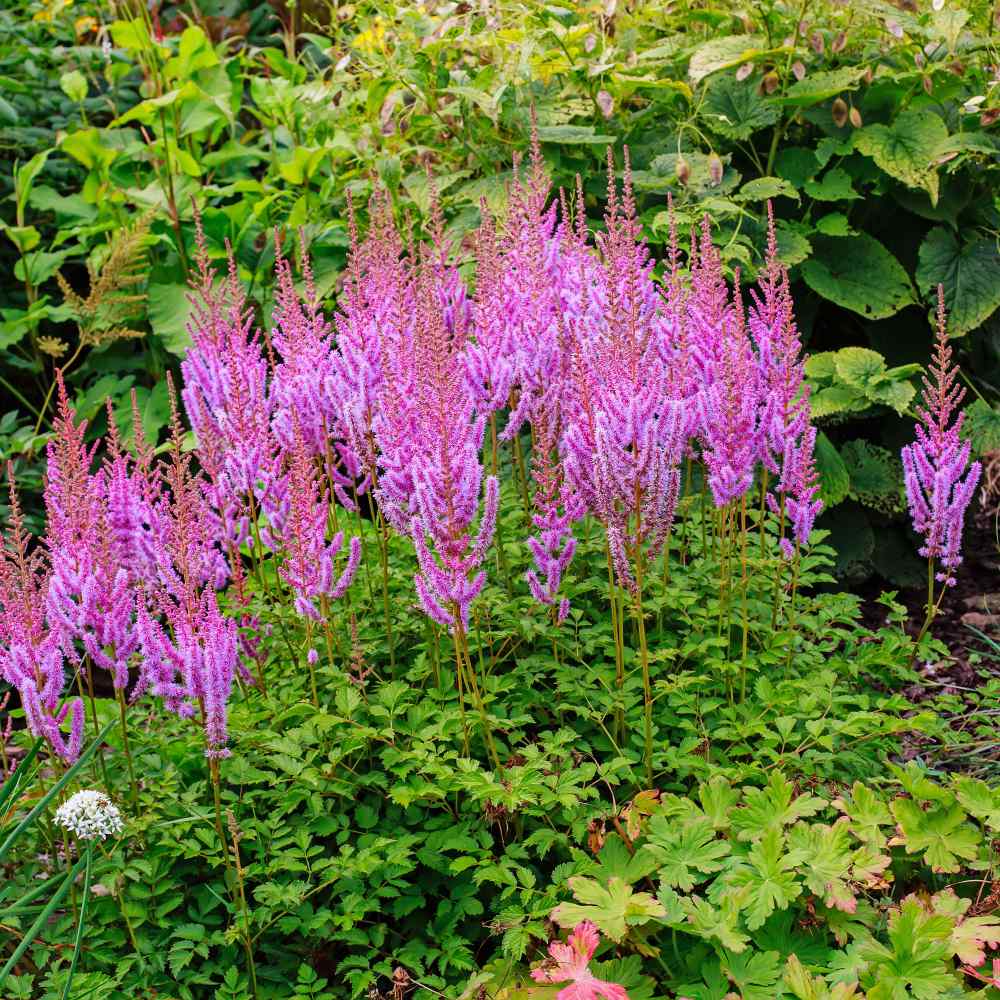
(228, 402)
(31, 653)
(309, 565)
(570, 963)
(624, 433)
(375, 308)
(90, 597)
(787, 439)
(429, 436)
(192, 664)
(557, 506)
(731, 414)
(939, 480)
(305, 387)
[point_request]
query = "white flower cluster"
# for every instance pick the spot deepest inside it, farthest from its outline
(90, 815)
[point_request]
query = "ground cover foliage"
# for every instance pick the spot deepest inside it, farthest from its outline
(475, 631)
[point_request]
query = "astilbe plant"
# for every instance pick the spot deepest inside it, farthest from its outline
(938, 477)
(31, 653)
(309, 564)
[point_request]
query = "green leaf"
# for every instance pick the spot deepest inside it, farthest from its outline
(916, 964)
(821, 86)
(834, 480)
(721, 923)
(834, 185)
(683, 848)
(766, 881)
(907, 148)
(764, 189)
(859, 274)
(969, 272)
(834, 224)
(573, 135)
(796, 164)
(74, 85)
(941, 833)
(720, 53)
(613, 909)
(735, 109)
(982, 427)
(169, 310)
(768, 809)
(834, 399)
(979, 800)
(859, 367)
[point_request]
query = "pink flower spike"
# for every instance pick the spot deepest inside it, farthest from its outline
(570, 962)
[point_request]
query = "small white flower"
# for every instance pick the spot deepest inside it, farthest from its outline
(90, 815)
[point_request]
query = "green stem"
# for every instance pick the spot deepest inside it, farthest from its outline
(88, 859)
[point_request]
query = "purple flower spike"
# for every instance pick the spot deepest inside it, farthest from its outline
(939, 480)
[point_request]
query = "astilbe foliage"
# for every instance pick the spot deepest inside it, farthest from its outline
(937, 475)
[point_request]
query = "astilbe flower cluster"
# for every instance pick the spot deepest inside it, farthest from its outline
(228, 400)
(31, 653)
(939, 480)
(429, 437)
(309, 564)
(624, 432)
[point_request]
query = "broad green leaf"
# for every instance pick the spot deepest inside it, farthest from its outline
(979, 800)
(821, 86)
(982, 427)
(612, 908)
(685, 850)
(907, 149)
(769, 809)
(74, 85)
(169, 309)
(834, 480)
(834, 399)
(859, 367)
(767, 880)
(834, 185)
(940, 833)
(859, 274)
(735, 109)
(720, 53)
(764, 189)
(916, 964)
(834, 224)
(720, 923)
(796, 164)
(573, 135)
(969, 272)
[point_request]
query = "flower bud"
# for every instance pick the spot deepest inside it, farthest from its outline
(839, 42)
(715, 170)
(855, 118)
(606, 103)
(839, 112)
(770, 82)
(798, 69)
(744, 71)
(683, 171)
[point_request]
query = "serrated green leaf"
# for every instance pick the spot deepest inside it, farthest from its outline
(766, 188)
(735, 109)
(834, 479)
(573, 135)
(721, 53)
(969, 272)
(834, 185)
(612, 908)
(907, 149)
(821, 86)
(683, 848)
(940, 833)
